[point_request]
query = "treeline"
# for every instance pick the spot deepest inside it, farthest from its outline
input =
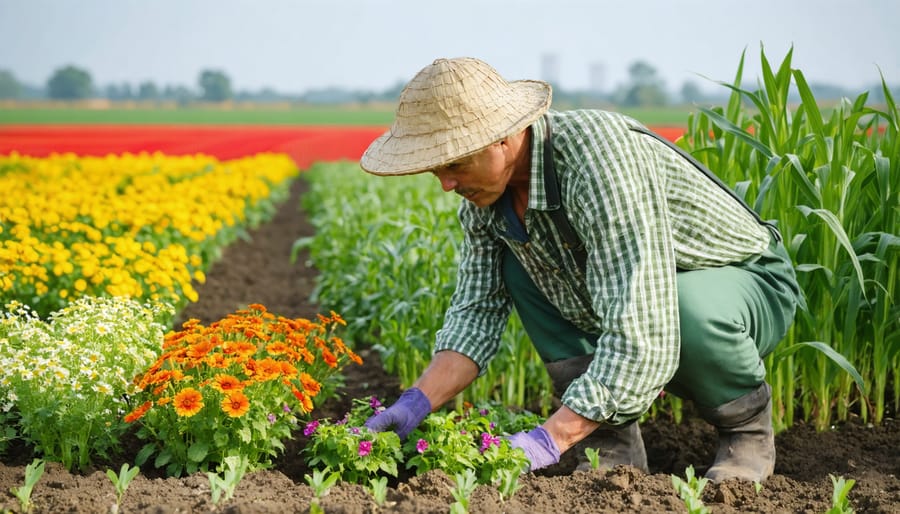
(643, 88)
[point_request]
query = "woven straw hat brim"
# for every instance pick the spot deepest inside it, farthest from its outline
(451, 110)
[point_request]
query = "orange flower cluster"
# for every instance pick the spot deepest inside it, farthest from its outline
(251, 356)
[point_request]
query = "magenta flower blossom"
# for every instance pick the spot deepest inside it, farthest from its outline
(310, 428)
(487, 440)
(375, 404)
(271, 418)
(421, 445)
(483, 412)
(354, 430)
(365, 448)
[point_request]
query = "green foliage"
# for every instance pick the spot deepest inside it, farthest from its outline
(69, 83)
(831, 179)
(68, 378)
(454, 442)
(33, 473)
(840, 501)
(223, 484)
(690, 490)
(216, 85)
(466, 483)
(389, 257)
(122, 480)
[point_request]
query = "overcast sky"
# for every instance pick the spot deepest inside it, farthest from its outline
(297, 45)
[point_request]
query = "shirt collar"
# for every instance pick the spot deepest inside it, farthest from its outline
(537, 196)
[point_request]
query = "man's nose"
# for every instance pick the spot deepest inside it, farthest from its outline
(448, 184)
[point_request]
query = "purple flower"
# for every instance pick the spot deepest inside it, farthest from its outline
(483, 412)
(271, 418)
(354, 430)
(365, 448)
(487, 440)
(286, 408)
(421, 445)
(310, 428)
(492, 425)
(374, 404)
(343, 421)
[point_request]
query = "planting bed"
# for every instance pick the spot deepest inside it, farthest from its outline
(258, 270)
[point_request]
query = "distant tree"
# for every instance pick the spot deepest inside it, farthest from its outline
(148, 91)
(216, 86)
(9, 86)
(644, 87)
(690, 92)
(69, 83)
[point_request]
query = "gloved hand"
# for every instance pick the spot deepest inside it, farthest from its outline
(404, 415)
(539, 447)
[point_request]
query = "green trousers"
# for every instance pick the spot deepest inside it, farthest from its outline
(730, 318)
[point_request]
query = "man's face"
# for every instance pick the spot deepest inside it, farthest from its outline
(480, 178)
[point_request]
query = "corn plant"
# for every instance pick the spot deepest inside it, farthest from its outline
(831, 180)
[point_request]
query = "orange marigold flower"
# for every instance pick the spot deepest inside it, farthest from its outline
(163, 401)
(267, 369)
(188, 402)
(306, 403)
(257, 307)
(329, 358)
(354, 357)
(288, 369)
(236, 404)
(217, 360)
(139, 412)
(336, 318)
(310, 385)
(278, 348)
(227, 383)
(200, 349)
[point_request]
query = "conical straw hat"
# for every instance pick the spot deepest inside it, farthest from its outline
(451, 109)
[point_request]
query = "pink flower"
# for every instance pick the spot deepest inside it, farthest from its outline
(365, 448)
(421, 445)
(310, 428)
(487, 440)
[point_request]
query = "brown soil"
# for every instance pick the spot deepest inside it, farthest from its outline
(258, 270)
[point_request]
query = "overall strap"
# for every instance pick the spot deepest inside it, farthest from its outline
(712, 176)
(571, 241)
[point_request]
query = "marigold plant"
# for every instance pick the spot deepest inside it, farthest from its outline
(235, 387)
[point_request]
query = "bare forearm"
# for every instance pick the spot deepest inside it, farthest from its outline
(448, 373)
(567, 427)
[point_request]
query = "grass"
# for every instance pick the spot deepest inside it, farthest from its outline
(47, 113)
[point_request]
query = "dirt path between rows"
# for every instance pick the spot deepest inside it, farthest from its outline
(258, 270)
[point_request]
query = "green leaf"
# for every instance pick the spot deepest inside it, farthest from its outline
(198, 451)
(829, 352)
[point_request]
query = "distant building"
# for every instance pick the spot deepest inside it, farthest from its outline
(550, 68)
(597, 78)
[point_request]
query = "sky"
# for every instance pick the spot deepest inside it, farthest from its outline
(294, 46)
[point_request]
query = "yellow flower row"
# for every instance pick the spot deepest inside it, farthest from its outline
(142, 226)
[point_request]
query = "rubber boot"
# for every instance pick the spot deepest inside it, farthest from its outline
(616, 444)
(746, 437)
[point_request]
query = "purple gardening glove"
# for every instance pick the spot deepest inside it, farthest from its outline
(538, 446)
(404, 415)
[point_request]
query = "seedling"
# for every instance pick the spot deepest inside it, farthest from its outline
(223, 486)
(840, 503)
(466, 483)
(509, 483)
(33, 473)
(378, 488)
(121, 481)
(593, 457)
(691, 490)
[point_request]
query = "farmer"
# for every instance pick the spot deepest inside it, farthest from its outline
(631, 269)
